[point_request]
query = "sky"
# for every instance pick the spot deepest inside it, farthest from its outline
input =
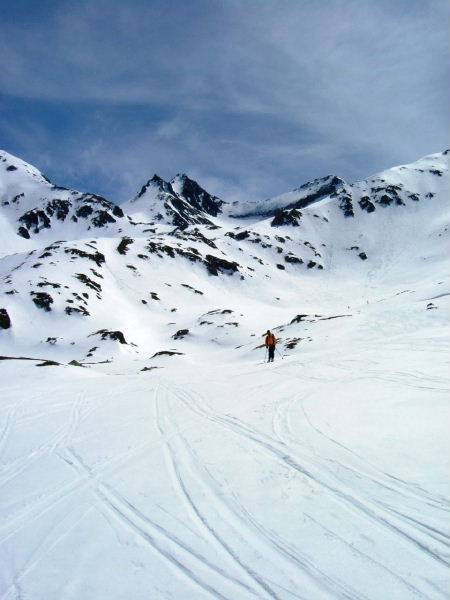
(249, 97)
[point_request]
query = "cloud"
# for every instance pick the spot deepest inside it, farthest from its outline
(249, 95)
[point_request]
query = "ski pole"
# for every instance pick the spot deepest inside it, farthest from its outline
(279, 353)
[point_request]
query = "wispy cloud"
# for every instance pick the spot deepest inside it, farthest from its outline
(253, 96)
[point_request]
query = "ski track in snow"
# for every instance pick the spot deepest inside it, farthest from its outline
(256, 560)
(380, 517)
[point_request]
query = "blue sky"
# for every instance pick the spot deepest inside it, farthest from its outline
(250, 97)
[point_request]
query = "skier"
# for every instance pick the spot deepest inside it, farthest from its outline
(271, 342)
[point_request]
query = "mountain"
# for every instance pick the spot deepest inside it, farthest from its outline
(31, 204)
(123, 266)
(180, 203)
(300, 197)
(196, 196)
(147, 450)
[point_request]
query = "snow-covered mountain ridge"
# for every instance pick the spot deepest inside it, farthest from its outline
(124, 268)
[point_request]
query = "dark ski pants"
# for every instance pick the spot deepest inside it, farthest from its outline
(271, 353)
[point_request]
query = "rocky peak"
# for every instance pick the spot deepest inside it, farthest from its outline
(317, 189)
(158, 184)
(196, 196)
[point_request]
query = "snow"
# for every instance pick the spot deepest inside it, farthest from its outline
(212, 474)
(321, 188)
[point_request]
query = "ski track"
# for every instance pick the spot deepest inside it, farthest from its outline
(347, 478)
(156, 536)
(45, 546)
(378, 515)
(47, 502)
(282, 428)
(283, 431)
(245, 519)
(7, 427)
(174, 466)
(402, 487)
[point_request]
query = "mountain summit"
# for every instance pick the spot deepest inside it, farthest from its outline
(31, 204)
(196, 196)
(180, 202)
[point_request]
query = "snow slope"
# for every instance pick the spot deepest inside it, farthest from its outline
(146, 450)
(31, 205)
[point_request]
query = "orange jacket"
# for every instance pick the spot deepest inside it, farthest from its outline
(271, 340)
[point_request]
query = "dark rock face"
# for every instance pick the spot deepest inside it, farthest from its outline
(11, 168)
(84, 211)
(58, 208)
(95, 209)
(42, 300)
(346, 205)
(385, 200)
(362, 256)
(78, 310)
(189, 287)
(194, 236)
(122, 248)
(35, 220)
(55, 286)
(387, 195)
(287, 217)
(214, 264)
(90, 283)
(5, 320)
(292, 343)
(48, 363)
(23, 232)
(323, 187)
(183, 214)
(242, 235)
(366, 204)
(111, 335)
(117, 211)
(97, 256)
(298, 319)
(102, 218)
(180, 334)
(198, 197)
(167, 353)
(295, 260)
(281, 267)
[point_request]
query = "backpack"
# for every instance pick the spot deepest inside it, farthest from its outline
(270, 340)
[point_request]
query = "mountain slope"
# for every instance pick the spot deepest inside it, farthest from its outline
(159, 202)
(146, 450)
(31, 204)
(386, 229)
